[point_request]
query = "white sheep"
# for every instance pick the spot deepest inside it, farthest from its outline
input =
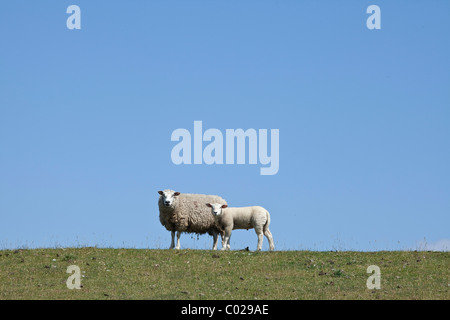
(184, 212)
(230, 219)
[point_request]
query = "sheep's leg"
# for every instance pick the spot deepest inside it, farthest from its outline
(178, 240)
(215, 237)
(269, 237)
(172, 243)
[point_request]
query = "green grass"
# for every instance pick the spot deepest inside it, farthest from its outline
(204, 274)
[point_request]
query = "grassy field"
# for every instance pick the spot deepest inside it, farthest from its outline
(204, 274)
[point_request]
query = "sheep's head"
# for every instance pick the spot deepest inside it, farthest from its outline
(216, 208)
(167, 197)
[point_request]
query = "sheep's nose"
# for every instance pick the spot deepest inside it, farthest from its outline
(166, 202)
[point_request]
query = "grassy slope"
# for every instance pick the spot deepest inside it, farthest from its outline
(204, 274)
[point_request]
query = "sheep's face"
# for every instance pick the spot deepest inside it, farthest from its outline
(216, 208)
(168, 197)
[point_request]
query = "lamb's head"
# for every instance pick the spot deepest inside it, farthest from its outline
(167, 197)
(216, 208)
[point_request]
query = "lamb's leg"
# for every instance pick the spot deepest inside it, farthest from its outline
(172, 244)
(269, 237)
(224, 242)
(178, 240)
(227, 239)
(260, 234)
(222, 235)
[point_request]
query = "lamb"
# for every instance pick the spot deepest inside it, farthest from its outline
(183, 212)
(230, 219)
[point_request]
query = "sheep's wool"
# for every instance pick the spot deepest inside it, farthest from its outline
(188, 213)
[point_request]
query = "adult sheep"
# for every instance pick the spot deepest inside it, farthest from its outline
(229, 219)
(184, 212)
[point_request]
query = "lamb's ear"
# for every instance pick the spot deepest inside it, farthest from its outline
(208, 205)
(160, 192)
(176, 194)
(224, 206)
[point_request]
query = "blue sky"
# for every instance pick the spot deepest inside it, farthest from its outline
(86, 118)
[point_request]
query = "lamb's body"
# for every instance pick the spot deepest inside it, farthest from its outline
(188, 213)
(255, 217)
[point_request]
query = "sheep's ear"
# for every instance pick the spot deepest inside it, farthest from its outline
(160, 192)
(224, 206)
(176, 194)
(209, 205)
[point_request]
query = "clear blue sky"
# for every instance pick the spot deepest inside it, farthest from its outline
(86, 118)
